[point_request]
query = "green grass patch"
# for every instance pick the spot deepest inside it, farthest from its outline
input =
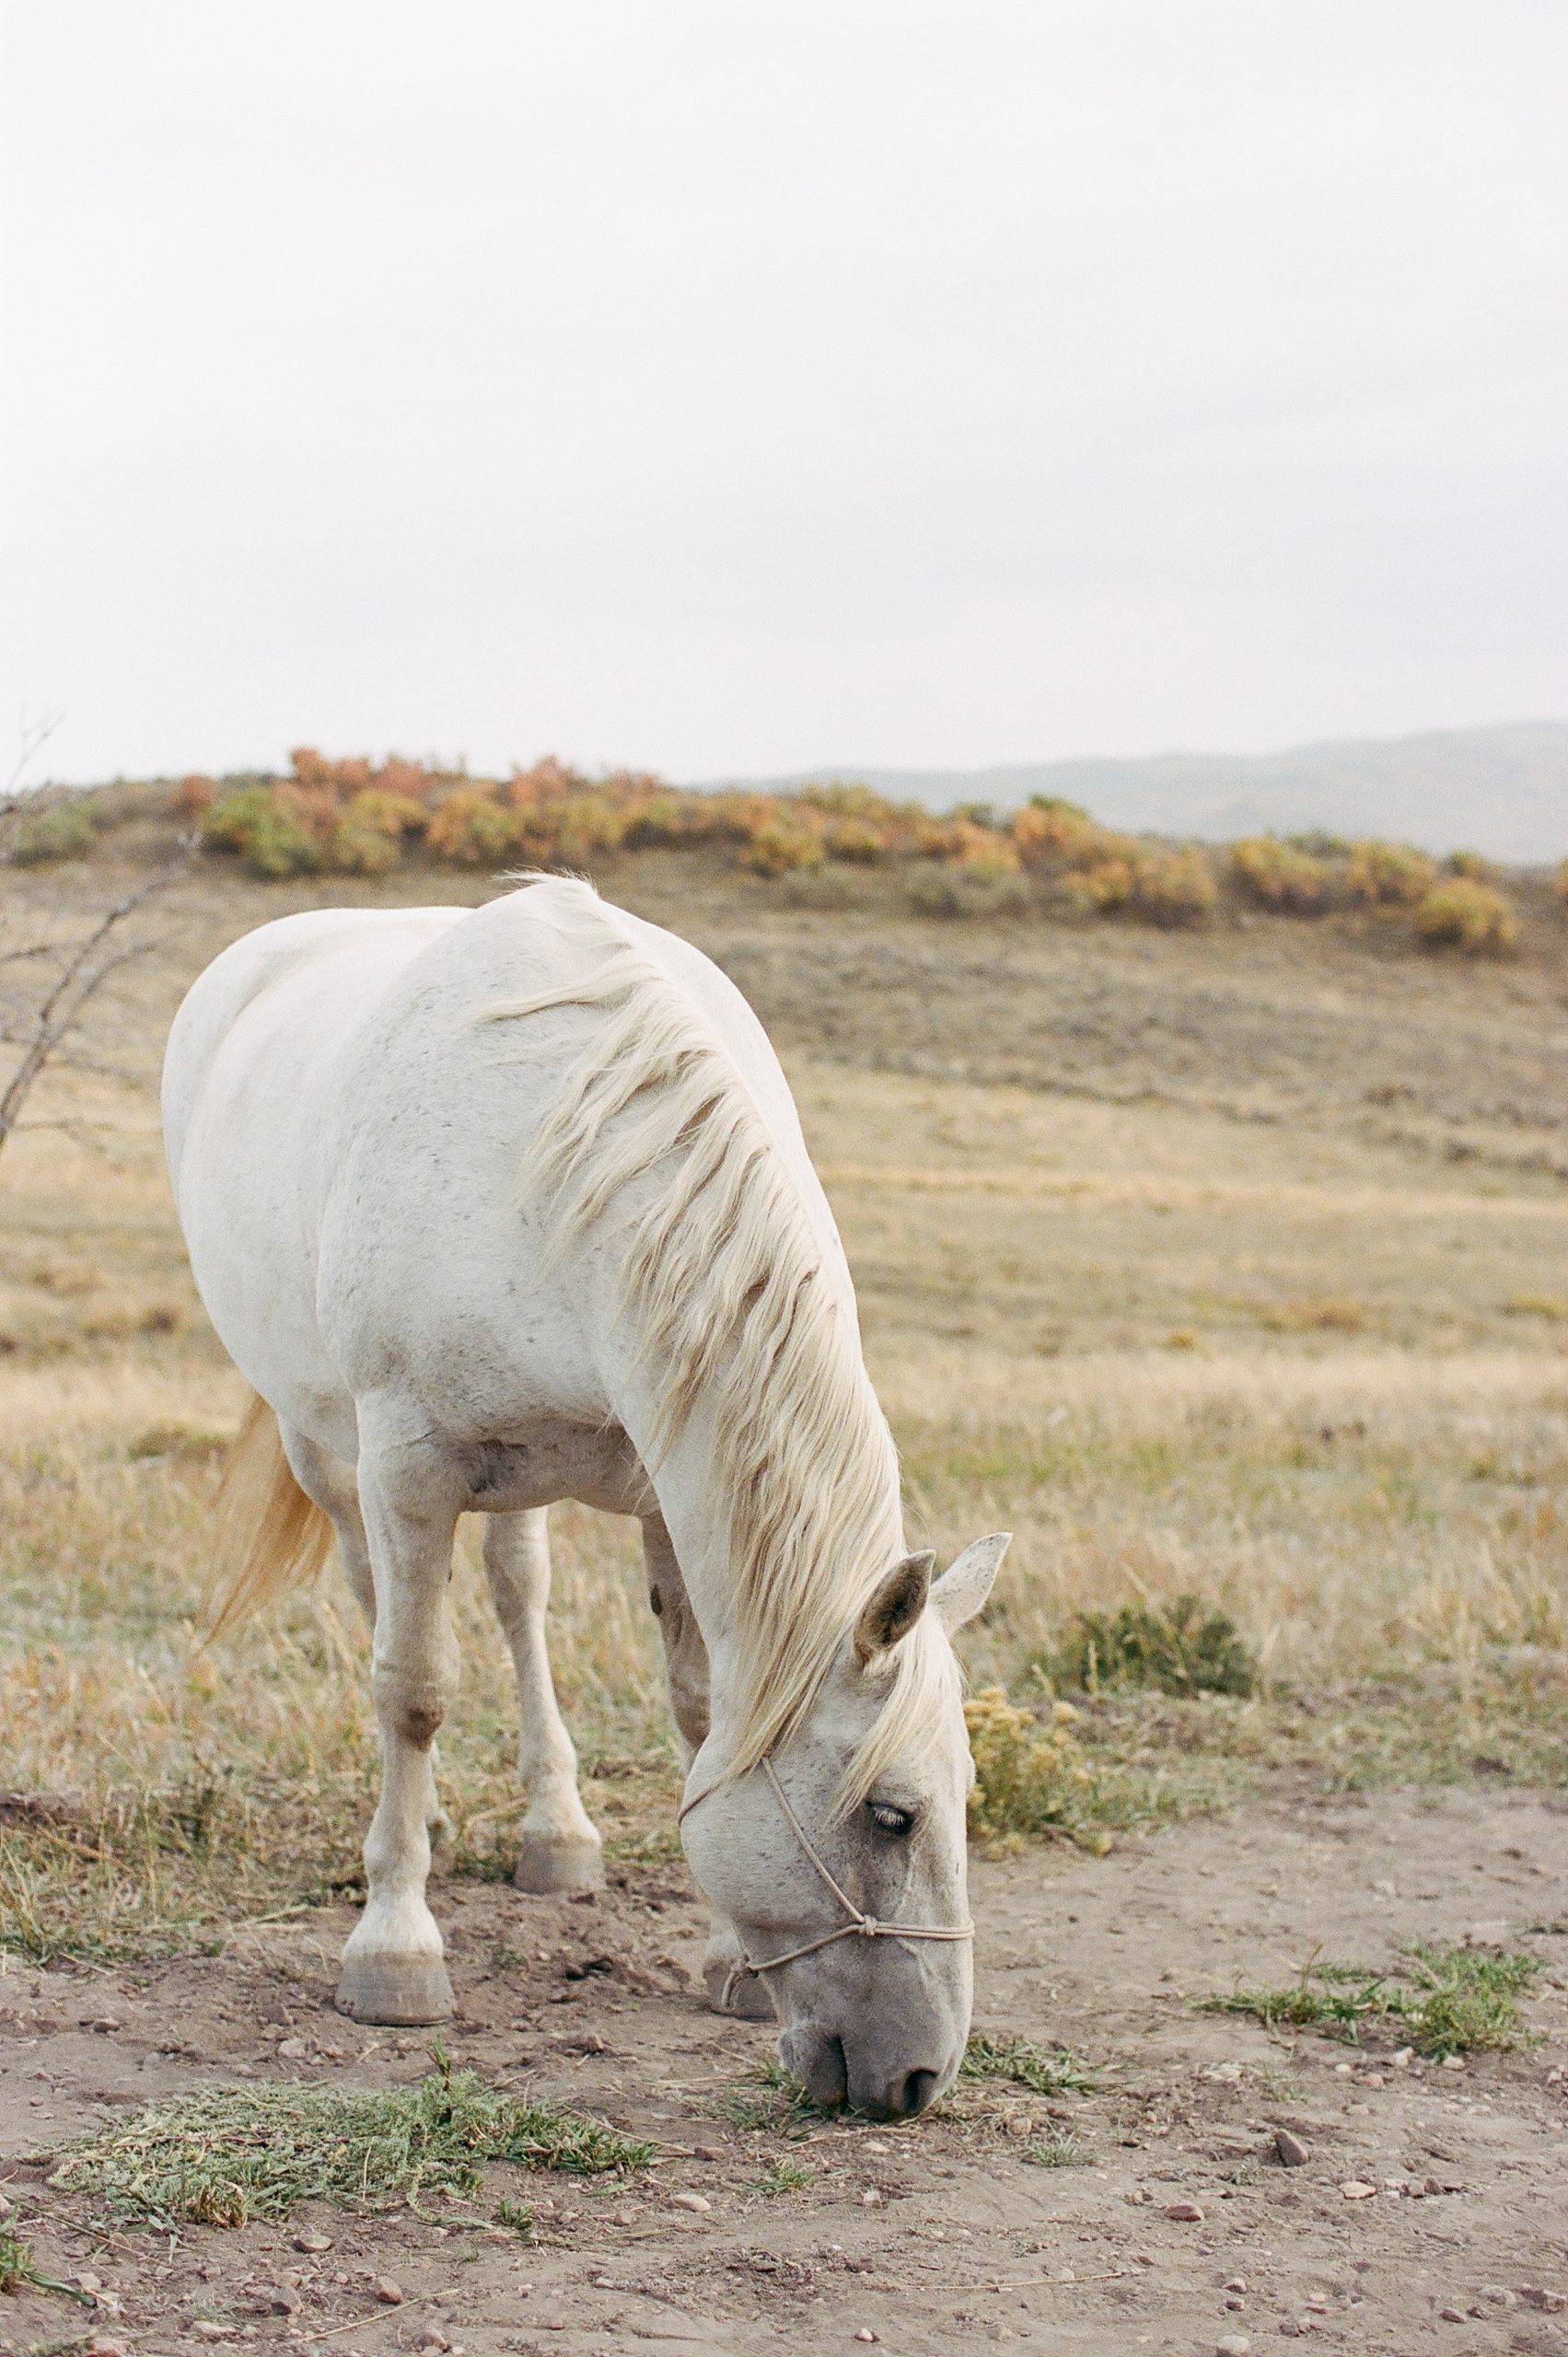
(227, 2156)
(1445, 2001)
(1049, 2070)
(1057, 2149)
(781, 2177)
(1185, 1647)
(18, 2269)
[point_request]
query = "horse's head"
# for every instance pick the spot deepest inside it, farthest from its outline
(874, 2012)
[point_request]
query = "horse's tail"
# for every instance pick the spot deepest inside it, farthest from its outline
(269, 1536)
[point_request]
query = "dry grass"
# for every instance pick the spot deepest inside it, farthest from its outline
(1309, 1367)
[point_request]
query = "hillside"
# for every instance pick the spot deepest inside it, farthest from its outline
(1501, 790)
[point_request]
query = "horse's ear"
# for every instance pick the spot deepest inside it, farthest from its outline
(965, 1585)
(895, 1606)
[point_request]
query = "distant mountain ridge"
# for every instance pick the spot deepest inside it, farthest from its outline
(1501, 790)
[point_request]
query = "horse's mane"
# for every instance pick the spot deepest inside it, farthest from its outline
(736, 1318)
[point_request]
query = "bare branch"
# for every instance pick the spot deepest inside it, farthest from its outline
(87, 967)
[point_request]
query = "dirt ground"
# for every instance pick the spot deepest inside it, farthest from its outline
(1174, 2227)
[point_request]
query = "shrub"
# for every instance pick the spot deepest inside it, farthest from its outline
(1464, 914)
(1031, 1774)
(981, 851)
(276, 830)
(1186, 1648)
(1471, 864)
(587, 826)
(195, 794)
(1561, 881)
(1053, 833)
(952, 891)
(1278, 876)
(60, 831)
(781, 845)
(471, 829)
(1389, 874)
(860, 841)
(1173, 886)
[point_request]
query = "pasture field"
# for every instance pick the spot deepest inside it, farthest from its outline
(1233, 1265)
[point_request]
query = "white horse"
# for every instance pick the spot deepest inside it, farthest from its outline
(502, 1206)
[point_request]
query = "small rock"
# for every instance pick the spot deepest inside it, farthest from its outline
(871, 2199)
(1537, 2295)
(1497, 2295)
(1355, 2188)
(1452, 2315)
(280, 2303)
(1236, 2283)
(291, 2048)
(390, 2295)
(205, 2330)
(1186, 2214)
(1293, 2153)
(312, 2241)
(1317, 2306)
(865, 2333)
(1452, 2062)
(99, 2347)
(1235, 2344)
(88, 2282)
(689, 2202)
(1401, 2061)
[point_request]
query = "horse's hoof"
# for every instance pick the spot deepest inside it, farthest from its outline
(741, 1996)
(563, 1862)
(403, 1991)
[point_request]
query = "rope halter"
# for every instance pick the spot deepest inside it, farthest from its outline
(860, 1926)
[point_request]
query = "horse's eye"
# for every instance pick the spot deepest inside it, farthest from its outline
(888, 1819)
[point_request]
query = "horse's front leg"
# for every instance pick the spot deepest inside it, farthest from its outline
(686, 1666)
(393, 1968)
(560, 1849)
(328, 1482)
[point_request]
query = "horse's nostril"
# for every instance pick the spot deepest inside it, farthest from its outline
(917, 2092)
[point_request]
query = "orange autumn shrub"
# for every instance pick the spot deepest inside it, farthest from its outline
(471, 829)
(1389, 876)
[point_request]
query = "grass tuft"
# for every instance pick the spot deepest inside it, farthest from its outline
(226, 2156)
(1058, 2148)
(1185, 1648)
(1049, 2070)
(1463, 2001)
(781, 2177)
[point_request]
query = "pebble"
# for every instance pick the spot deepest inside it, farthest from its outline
(205, 2330)
(1235, 2344)
(390, 2295)
(100, 2348)
(291, 2048)
(1237, 2283)
(1355, 2188)
(689, 2202)
(312, 2242)
(871, 2199)
(1452, 2315)
(1186, 2214)
(1537, 2295)
(1293, 2153)
(865, 2333)
(1452, 2062)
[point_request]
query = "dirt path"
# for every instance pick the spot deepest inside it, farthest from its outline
(1176, 2228)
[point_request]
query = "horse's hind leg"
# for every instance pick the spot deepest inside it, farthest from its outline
(329, 1483)
(393, 1968)
(559, 1848)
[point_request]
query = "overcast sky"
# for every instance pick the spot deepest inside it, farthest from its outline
(730, 386)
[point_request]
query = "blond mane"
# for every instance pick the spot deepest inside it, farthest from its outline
(734, 1315)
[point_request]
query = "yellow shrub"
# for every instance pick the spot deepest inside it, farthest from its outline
(981, 851)
(1277, 875)
(1389, 874)
(1173, 886)
(1464, 914)
(1031, 1774)
(1053, 833)
(783, 843)
(473, 829)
